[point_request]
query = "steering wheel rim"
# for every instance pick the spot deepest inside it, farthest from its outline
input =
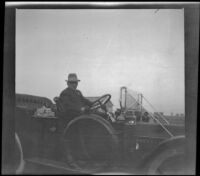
(100, 102)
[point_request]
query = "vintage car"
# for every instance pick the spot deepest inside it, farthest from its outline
(94, 142)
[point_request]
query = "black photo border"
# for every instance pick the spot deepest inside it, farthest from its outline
(191, 37)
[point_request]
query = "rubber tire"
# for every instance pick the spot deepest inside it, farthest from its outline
(106, 125)
(162, 156)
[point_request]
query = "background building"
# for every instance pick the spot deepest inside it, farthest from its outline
(178, 119)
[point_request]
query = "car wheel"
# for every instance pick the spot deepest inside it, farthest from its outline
(170, 161)
(90, 143)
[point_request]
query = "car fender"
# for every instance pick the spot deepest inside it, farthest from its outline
(19, 158)
(173, 146)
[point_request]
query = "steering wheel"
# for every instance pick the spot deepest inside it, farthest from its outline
(100, 102)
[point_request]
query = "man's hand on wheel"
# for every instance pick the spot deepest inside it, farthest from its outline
(85, 109)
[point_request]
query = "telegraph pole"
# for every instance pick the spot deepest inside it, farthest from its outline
(140, 106)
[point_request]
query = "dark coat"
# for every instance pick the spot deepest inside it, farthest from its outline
(73, 101)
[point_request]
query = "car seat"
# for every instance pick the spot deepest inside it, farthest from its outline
(59, 106)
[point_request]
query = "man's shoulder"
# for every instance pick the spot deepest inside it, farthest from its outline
(65, 91)
(78, 92)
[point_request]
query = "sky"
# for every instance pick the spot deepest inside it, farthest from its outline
(142, 49)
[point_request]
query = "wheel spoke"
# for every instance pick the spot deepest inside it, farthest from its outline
(100, 102)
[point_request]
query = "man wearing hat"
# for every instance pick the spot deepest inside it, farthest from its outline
(72, 99)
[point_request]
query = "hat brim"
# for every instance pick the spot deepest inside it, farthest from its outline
(73, 81)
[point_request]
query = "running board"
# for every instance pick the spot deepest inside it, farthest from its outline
(51, 164)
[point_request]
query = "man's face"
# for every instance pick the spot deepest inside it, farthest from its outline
(72, 85)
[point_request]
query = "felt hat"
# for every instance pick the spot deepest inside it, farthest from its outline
(72, 77)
